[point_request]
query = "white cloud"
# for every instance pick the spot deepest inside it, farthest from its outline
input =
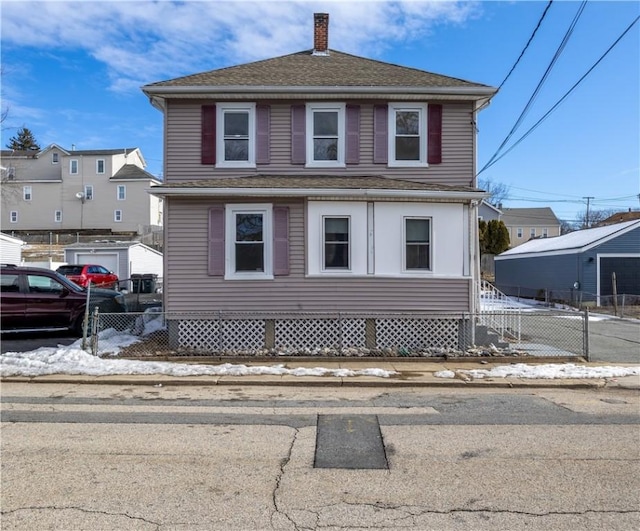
(142, 42)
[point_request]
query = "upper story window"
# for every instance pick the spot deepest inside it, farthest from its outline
(532, 232)
(55, 158)
(100, 166)
(417, 243)
(57, 216)
(117, 216)
(121, 192)
(13, 216)
(519, 232)
(407, 134)
(27, 193)
(336, 244)
(545, 233)
(73, 166)
(88, 192)
(326, 138)
(236, 140)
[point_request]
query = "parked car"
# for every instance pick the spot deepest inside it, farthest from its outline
(34, 298)
(82, 274)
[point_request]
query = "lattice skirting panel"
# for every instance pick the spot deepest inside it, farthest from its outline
(312, 333)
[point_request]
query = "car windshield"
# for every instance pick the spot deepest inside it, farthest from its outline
(70, 270)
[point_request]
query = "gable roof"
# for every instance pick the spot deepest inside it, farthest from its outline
(529, 217)
(574, 242)
(306, 72)
(620, 217)
(132, 172)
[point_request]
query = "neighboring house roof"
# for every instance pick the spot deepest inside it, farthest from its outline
(491, 207)
(132, 172)
(108, 244)
(303, 185)
(574, 242)
(528, 217)
(619, 217)
(10, 239)
(336, 72)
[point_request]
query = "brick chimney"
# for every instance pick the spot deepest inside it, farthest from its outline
(320, 33)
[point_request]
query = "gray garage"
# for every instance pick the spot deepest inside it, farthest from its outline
(579, 266)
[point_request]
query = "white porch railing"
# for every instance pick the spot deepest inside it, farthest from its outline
(498, 312)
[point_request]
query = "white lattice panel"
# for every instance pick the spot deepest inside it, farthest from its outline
(307, 333)
(353, 333)
(198, 334)
(417, 333)
(242, 334)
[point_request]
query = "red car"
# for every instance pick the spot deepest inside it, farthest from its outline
(82, 274)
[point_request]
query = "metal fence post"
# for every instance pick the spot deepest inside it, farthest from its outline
(94, 331)
(586, 335)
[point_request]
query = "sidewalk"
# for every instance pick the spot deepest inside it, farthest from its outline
(411, 373)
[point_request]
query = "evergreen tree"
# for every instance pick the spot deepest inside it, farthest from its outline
(23, 141)
(494, 236)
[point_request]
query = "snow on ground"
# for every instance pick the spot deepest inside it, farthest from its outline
(548, 371)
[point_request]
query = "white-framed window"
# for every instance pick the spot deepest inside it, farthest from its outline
(407, 134)
(57, 216)
(519, 232)
(249, 241)
(336, 243)
(117, 216)
(236, 141)
(121, 193)
(13, 216)
(27, 193)
(100, 166)
(545, 232)
(88, 192)
(326, 135)
(417, 244)
(532, 232)
(55, 158)
(73, 166)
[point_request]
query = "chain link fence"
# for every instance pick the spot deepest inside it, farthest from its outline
(154, 333)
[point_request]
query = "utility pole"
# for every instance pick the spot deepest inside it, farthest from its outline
(586, 221)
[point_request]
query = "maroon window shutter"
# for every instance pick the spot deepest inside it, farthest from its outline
(353, 134)
(380, 134)
(280, 240)
(263, 122)
(298, 126)
(434, 146)
(208, 134)
(216, 241)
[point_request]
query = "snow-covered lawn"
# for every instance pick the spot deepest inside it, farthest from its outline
(548, 371)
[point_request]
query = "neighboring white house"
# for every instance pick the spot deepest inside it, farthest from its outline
(123, 258)
(10, 249)
(60, 190)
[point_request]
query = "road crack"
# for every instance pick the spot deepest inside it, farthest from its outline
(81, 509)
(274, 495)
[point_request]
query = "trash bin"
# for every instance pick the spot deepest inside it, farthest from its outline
(145, 283)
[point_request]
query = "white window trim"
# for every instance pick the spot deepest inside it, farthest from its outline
(323, 263)
(266, 209)
(221, 108)
(408, 106)
(417, 272)
(104, 165)
(117, 216)
(55, 158)
(342, 136)
(13, 216)
(532, 232)
(77, 164)
(519, 232)
(88, 192)
(124, 195)
(57, 216)
(27, 193)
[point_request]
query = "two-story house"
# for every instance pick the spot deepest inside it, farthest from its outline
(73, 190)
(525, 224)
(320, 182)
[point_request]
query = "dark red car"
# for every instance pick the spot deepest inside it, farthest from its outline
(82, 274)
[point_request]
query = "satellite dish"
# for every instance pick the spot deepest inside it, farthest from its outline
(80, 195)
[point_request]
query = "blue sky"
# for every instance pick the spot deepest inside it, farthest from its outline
(72, 72)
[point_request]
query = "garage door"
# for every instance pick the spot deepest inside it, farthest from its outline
(627, 270)
(108, 260)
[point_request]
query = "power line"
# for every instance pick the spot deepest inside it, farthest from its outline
(542, 81)
(557, 104)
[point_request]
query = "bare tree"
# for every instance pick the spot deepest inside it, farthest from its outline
(498, 192)
(592, 218)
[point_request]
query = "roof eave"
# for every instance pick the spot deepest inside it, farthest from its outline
(316, 192)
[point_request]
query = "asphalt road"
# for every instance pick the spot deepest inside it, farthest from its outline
(234, 458)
